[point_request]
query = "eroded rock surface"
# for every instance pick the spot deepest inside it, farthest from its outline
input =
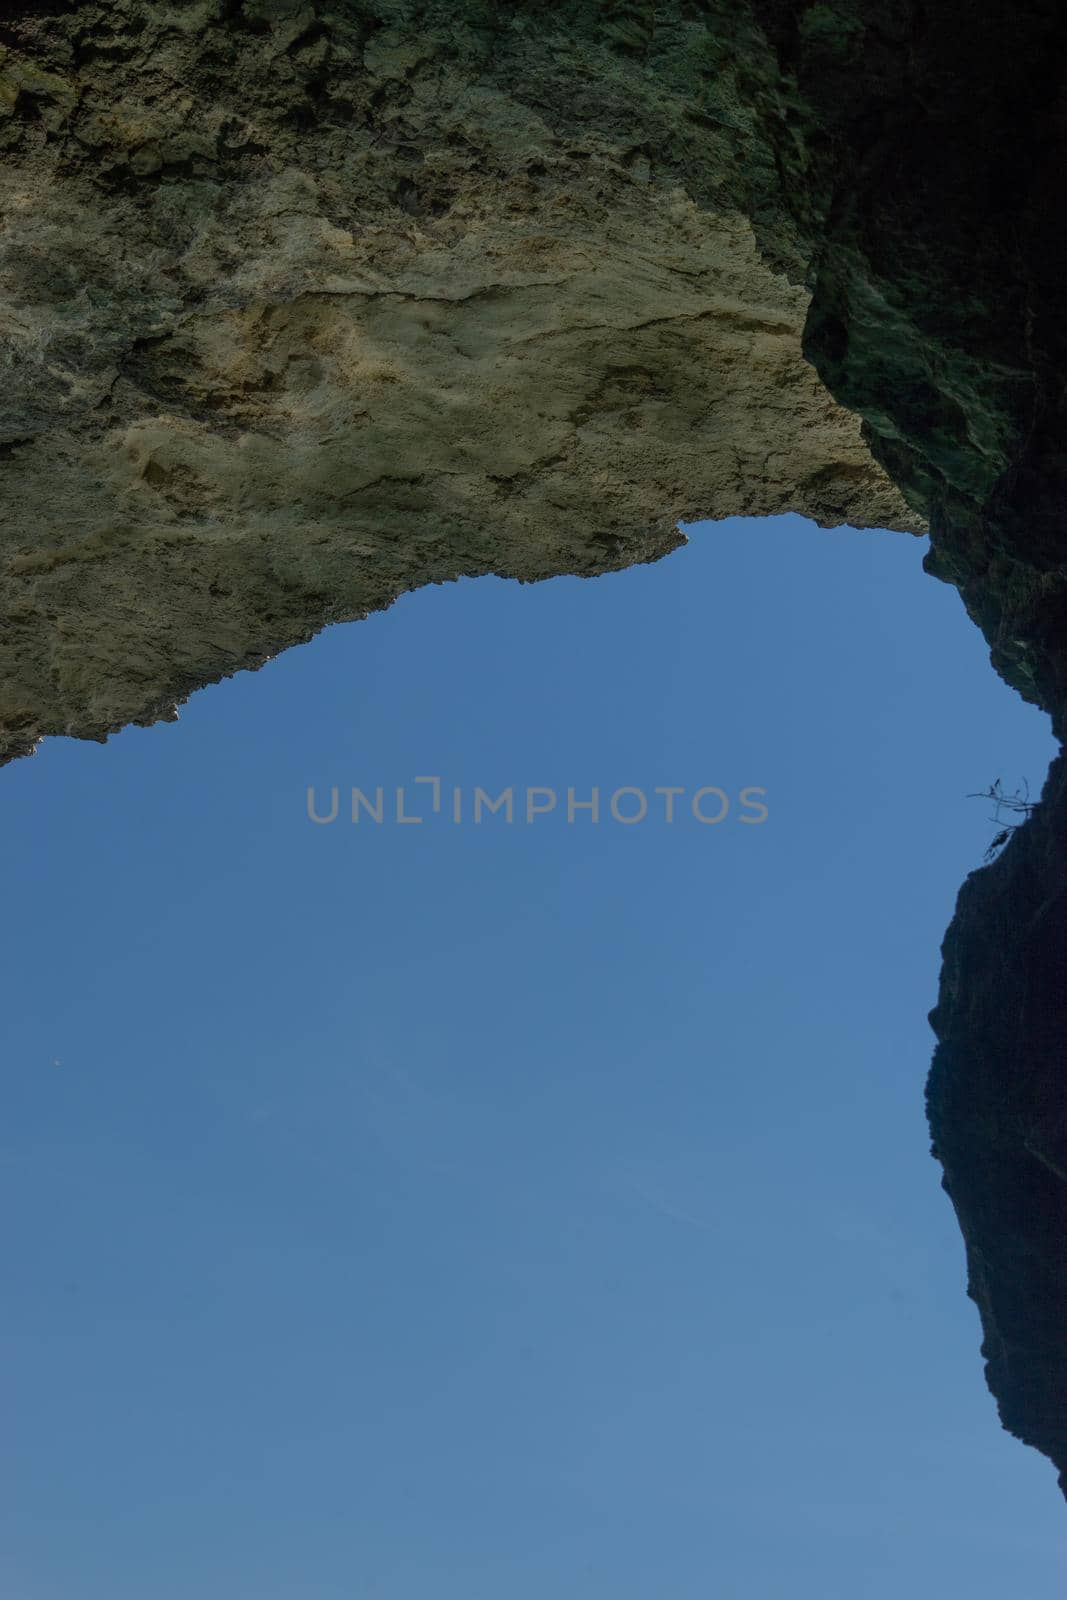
(303, 307)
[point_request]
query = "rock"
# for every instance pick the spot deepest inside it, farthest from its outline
(305, 303)
(998, 1114)
(928, 162)
(307, 306)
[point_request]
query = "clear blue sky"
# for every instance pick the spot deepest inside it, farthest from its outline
(446, 1212)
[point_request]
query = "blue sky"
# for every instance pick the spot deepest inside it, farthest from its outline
(446, 1212)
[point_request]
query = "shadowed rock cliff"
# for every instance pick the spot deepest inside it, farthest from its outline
(998, 1113)
(307, 302)
(927, 154)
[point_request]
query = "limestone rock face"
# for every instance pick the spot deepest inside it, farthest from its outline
(304, 307)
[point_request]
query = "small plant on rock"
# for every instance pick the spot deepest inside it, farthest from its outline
(1017, 804)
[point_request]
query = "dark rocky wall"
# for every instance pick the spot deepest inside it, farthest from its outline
(998, 1114)
(929, 147)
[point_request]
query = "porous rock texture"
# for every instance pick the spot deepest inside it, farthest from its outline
(305, 306)
(308, 302)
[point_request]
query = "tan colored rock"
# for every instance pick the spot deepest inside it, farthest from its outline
(257, 382)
